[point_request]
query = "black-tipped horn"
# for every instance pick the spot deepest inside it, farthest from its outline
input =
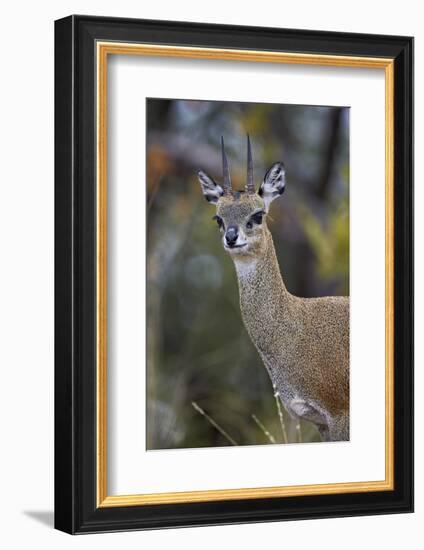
(225, 170)
(250, 186)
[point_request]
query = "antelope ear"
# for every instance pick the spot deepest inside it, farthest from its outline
(274, 183)
(211, 190)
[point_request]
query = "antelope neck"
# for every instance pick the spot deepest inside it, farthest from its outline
(261, 285)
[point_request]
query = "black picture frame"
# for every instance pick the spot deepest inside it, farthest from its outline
(76, 510)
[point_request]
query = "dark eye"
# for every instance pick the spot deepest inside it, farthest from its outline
(219, 221)
(256, 218)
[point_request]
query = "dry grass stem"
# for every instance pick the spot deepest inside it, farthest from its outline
(214, 424)
(267, 434)
(299, 433)
(280, 415)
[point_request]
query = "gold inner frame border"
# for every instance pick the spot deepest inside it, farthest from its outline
(103, 50)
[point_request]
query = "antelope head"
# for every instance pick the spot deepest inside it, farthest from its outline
(241, 215)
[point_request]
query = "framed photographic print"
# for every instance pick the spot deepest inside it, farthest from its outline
(234, 272)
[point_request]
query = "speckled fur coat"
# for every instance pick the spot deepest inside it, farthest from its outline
(303, 342)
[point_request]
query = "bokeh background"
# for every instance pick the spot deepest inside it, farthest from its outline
(206, 384)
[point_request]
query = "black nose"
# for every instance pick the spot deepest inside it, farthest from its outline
(231, 235)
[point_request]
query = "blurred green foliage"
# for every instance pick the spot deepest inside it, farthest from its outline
(197, 347)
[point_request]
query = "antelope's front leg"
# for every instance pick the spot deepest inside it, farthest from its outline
(307, 410)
